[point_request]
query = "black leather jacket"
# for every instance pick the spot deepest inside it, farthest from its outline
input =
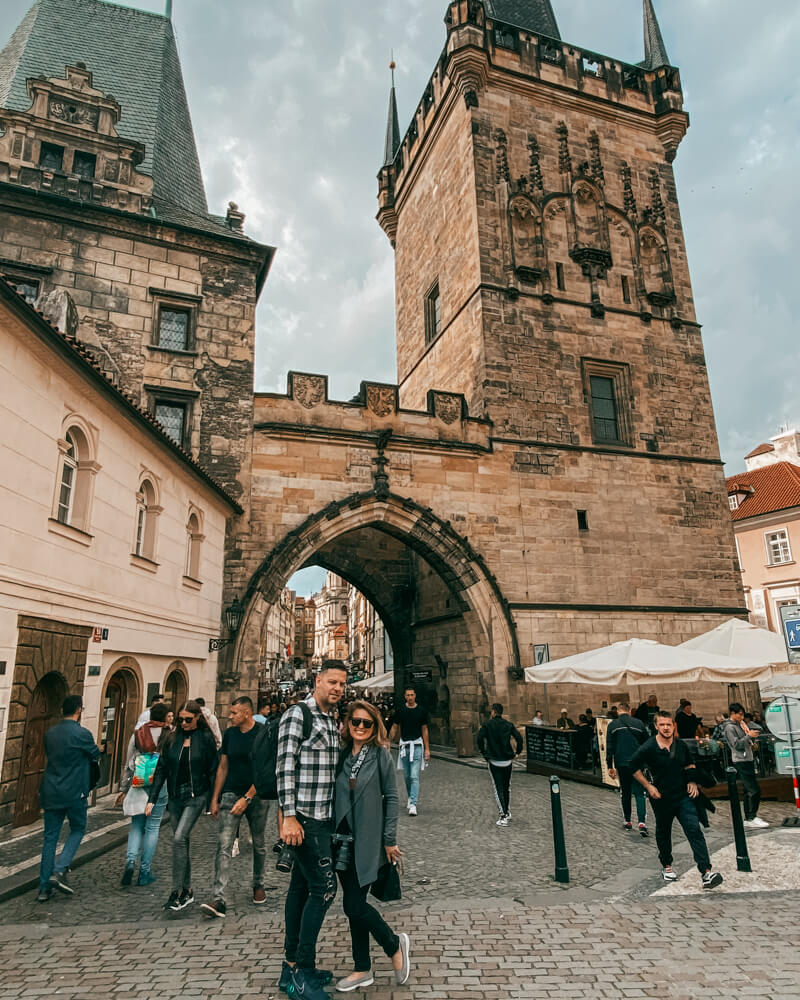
(202, 765)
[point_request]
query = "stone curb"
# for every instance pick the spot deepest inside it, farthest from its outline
(28, 879)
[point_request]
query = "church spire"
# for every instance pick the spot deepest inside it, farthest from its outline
(655, 51)
(392, 125)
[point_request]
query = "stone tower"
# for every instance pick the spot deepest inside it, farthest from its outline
(540, 261)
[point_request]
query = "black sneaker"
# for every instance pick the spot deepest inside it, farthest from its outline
(127, 875)
(59, 881)
(187, 897)
(174, 902)
(215, 909)
(286, 977)
(711, 879)
(627, 825)
(324, 976)
(643, 830)
(304, 985)
(44, 895)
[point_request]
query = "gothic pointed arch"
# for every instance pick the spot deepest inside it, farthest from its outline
(590, 239)
(656, 269)
(525, 220)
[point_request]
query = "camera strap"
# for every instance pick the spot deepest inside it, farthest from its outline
(357, 765)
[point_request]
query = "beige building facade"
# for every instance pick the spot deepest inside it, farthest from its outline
(112, 549)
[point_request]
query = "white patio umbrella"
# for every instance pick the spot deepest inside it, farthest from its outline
(638, 661)
(378, 683)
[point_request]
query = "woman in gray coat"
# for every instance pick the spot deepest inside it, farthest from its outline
(366, 810)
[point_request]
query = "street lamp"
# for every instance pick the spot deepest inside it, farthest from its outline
(233, 619)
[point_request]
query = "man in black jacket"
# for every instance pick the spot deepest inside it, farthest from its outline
(65, 794)
(624, 736)
(494, 742)
(671, 792)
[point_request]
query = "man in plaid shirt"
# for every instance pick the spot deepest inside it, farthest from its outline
(306, 773)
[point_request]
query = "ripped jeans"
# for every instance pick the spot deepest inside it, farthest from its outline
(312, 889)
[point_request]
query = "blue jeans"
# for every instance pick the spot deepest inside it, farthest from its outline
(411, 769)
(184, 813)
(53, 821)
(143, 836)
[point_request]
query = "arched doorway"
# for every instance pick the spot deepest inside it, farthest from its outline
(44, 712)
(120, 709)
(176, 686)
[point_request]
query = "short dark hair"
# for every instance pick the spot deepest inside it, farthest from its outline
(735, 707)
(72, 703)
(332, 665)
(243, 700)
(159, 712)
(623, 706)
(409, 687)
(497, 708)
(156, 698)
(664, 715)
(200, 701)
(262, 705)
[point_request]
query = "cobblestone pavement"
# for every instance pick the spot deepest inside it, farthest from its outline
(485, 917)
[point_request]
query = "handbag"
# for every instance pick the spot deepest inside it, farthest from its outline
(386, 886)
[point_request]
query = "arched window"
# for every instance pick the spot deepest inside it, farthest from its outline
(74, 486)
(194, 543)
(147, 513)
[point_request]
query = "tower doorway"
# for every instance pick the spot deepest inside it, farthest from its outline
(176, 687)
(44, 712)
(119, 711)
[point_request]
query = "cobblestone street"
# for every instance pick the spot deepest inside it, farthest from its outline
(484, 915)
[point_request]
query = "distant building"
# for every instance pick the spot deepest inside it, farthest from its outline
(332, 611)
(765, 507)
(305, 613)
(278, 639)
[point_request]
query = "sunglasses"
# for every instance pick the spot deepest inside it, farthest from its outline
(358, 723)
(186, 718)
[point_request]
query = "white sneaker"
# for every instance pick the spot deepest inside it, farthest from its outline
(412, 809)
(235, 849)
(503, 821)
(760, 822)
(752, 824)
(668, 874)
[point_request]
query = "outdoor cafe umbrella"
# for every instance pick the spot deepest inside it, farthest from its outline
(639, 661)
(379, 683)
(754, 646)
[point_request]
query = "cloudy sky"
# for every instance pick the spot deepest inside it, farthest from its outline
(289, 105)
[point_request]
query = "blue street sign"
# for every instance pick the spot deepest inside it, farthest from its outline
(792, 628)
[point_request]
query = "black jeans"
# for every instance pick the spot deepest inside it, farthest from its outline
(312, 889)
(628, 784)
(183, 813)
(746, 770)
(364, 920)
(501, 780)
(667, 810)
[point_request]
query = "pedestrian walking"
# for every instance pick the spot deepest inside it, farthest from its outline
(624, 736)
(64, 794)
(234, 797)
(409, 725)
(306, 772)
(143, 753)
(741, 739)
(157, 699)
(494, 743)
(187, 765)
(211, 720)
(672, 791)
(366, 830)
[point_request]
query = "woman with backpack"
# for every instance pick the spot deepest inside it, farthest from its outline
(187, 765)
(134, 788)
(366, 835)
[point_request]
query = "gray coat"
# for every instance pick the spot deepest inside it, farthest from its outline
(373, 821)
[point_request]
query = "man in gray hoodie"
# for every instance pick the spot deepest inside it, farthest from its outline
(740, 738)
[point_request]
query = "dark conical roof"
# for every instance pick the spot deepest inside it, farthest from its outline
(535, 15)
(132, 56)
(392, 130)
(655, 51)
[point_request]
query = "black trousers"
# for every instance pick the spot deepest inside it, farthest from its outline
(501, 779)
(312, 889)
(628, 784)
(746, 770)
(668, 810)
(364, 920)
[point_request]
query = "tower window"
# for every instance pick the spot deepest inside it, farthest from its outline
(26, 287)
(433, 314)
(604, 409)
(51, 157)
(583, 520)
(173, 328)
(608, 393)
(172, 417)
(626, 288)
(84, 165)
(560, 283)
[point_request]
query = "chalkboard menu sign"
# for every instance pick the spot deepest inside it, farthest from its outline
(551, 746)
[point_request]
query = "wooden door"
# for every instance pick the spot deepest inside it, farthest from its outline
(44, 712)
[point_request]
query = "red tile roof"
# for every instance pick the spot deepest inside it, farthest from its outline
(762, 449)
(775, 487)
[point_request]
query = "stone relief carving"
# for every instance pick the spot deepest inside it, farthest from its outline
(447, 408)
(308, 390)
(381, 400)
(75, 114)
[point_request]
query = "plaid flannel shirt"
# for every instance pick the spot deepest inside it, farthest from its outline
(306, 771)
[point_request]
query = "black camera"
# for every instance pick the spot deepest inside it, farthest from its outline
(285, 860)
(343, 849)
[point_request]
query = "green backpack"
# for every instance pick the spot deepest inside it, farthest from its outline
(144, 769)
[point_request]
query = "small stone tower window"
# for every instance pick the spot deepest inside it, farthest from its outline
(84, 165)
(173, 328)
(604, 409)
(172, 417)
(560, 283)
(433, 314)
(51, 157)
(583, 520)
(626, 288)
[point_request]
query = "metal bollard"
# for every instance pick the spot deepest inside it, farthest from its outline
(742, 856)
(562, 871)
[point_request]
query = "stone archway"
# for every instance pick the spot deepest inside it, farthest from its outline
(176, 685)
(441, 606)
(44, 712)
(120, 705)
